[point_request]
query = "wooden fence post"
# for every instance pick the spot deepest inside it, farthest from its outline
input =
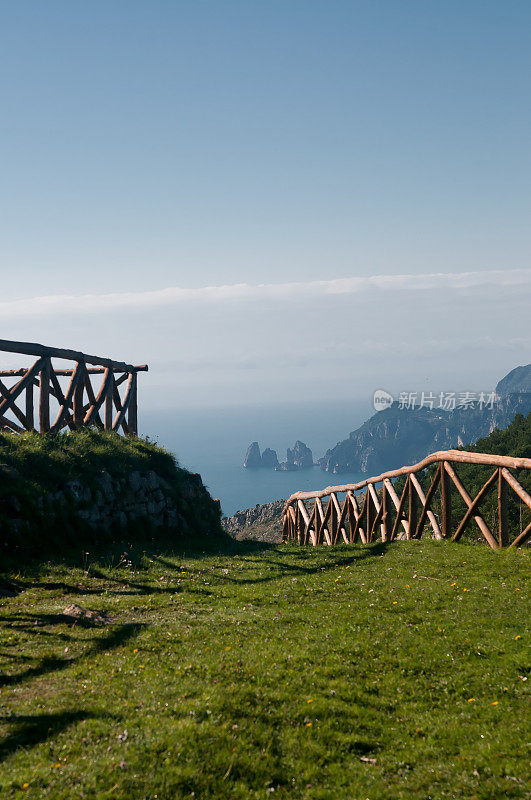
(44, 396)
(413, 509)
(109, 390)
(446, 502)
(334, 520)
(132, 417)
(368, 514)
(30, 411)
(77, 402)
(503, 533)
(384, 528)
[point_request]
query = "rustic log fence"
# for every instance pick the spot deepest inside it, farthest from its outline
(112, 405)
(373, 510)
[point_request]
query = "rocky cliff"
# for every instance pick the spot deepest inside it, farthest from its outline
(398, 436)
(518, 380)
(262, 523)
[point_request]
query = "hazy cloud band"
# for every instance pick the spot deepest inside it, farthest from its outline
(175, 295)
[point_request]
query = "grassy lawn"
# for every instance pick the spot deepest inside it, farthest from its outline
(269, 671)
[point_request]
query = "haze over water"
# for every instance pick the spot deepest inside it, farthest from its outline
(213, 442)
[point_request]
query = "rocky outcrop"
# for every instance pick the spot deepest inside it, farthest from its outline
(262, 523)
(269, 458)
(395, 437)
(300, 457)
(286, 466)
(252, 456)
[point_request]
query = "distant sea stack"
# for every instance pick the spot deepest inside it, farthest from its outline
(301, 457)
(252, 456)
(269, 458)
(254, 459)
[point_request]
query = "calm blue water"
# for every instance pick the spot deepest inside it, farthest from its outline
(213, 442)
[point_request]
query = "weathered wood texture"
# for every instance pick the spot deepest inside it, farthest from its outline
(80, 403)
(32, 349)
(377, 512)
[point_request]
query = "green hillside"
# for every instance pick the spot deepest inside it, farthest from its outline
(514, 441)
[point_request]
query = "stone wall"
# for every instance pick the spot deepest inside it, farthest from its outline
(105, 504)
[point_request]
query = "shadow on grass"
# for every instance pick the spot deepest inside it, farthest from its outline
(276, 561)
(9, 588)
(55, 586)
(289, 568)
(22, 572)
(32, 729)
(279, 566)
(48, 664)
(111, 555)
(34, 622)
(164, 551)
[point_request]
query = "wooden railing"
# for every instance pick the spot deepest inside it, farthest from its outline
(373, 510)
(111, 405)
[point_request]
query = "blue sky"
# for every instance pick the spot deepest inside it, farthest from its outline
(148, 145)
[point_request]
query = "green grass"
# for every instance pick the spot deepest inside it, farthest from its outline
(262, 671)
(51, 459)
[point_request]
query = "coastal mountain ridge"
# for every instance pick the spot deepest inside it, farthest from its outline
(517, 380)
(399, 435)
(402, 434)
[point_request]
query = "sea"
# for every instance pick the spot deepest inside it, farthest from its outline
(213, 442)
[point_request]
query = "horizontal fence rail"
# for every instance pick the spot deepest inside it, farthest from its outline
(373, 510)
(110, 403)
